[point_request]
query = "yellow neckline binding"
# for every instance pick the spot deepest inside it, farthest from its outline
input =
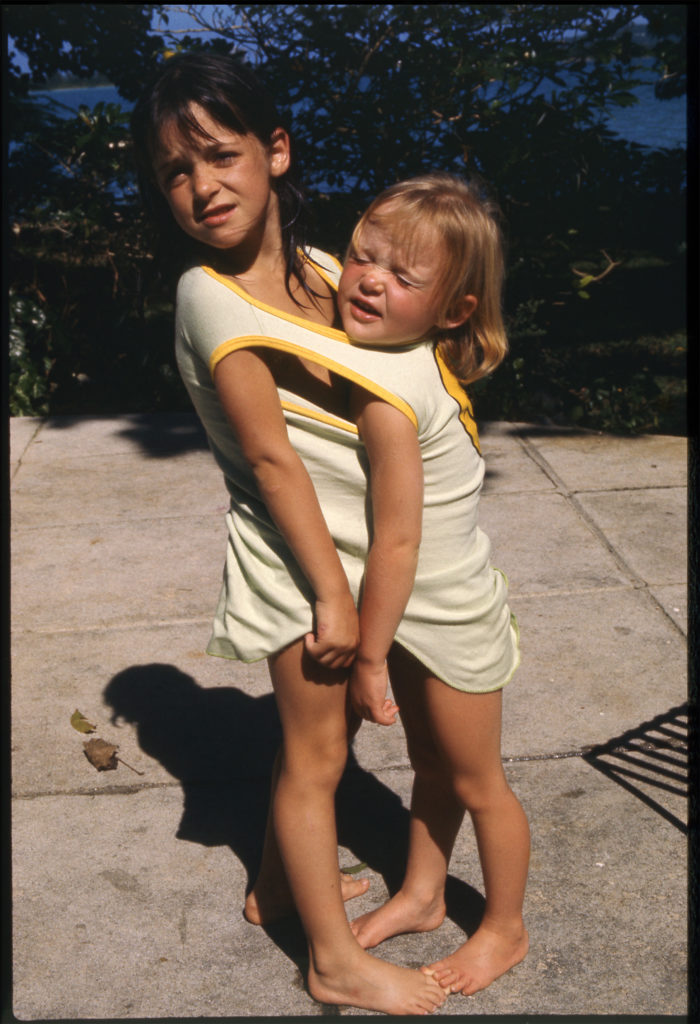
(328, 332)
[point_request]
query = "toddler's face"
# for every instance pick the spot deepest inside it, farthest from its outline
(387, 297)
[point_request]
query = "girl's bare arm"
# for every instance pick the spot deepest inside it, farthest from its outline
(250, 400)
(396, 482)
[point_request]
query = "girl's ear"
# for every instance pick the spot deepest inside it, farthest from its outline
(459, 312)
(279, 152)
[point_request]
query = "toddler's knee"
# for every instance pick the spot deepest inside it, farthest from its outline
(478, 795)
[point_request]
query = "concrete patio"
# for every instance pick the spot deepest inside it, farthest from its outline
(128, 884)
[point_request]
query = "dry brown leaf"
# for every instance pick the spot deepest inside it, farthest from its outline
(101, 755)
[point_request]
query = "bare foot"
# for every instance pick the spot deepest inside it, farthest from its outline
(482, 959)
(276, 902)
(372, 984)
(398, 915)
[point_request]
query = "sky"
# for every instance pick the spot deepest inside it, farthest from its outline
(179, 19)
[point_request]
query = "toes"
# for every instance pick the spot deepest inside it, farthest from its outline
(447, 977)
(437, 995)
(352, 887)
(469, 988)
(437, 971)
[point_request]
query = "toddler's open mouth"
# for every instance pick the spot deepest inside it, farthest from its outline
(363, 309)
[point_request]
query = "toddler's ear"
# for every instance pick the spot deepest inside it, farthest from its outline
(459, 312)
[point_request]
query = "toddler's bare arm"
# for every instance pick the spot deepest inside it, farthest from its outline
(396, 482)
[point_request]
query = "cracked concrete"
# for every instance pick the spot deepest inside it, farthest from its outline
(128, 888)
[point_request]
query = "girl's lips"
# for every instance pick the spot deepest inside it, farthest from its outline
(216, 216)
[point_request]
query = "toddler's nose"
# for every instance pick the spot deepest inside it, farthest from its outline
(371, 280)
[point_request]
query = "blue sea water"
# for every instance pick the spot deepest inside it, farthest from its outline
(657, 124)
(73, 97)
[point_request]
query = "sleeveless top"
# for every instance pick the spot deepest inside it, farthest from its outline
(457, 621)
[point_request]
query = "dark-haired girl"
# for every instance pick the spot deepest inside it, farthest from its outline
(215, 164)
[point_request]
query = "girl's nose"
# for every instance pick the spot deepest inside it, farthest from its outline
(204, 182)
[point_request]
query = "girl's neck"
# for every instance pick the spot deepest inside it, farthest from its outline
(264, 279)
(250, 270)
(259, 256)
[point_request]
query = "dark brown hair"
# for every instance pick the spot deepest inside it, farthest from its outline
(235, 98)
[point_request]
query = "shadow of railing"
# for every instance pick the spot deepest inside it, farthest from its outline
(652, 757)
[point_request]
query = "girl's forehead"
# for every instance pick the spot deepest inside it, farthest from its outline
(192, 128)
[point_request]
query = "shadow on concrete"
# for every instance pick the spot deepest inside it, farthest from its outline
(166, 434)
(654, 756)
(157, 435)
(220, 743)
(520, 429)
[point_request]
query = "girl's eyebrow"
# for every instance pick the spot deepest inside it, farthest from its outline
(165, 162)
(168, 162)
(209, 149)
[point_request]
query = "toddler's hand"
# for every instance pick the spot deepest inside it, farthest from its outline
(337, 632)
(368, 685)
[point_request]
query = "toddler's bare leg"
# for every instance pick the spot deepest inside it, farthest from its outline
(311, 702)
(436, 817)
(270, 897)
(468, 729)
(454, 747)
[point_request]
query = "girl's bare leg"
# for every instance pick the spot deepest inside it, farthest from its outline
(270, 897)
(311, 703)
(465, 730)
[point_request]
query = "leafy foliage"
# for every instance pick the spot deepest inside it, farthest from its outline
(113, 39)
(518, 93)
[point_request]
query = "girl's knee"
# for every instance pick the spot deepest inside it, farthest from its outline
(320, 763)
(425, 759)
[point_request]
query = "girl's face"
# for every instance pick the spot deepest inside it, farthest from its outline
(387, 297)
(219, 189)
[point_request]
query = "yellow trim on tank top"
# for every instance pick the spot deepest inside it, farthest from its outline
(455, 390)
(312, 414)
(258, 341)
(300, 321)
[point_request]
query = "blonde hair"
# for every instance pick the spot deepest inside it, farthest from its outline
(465, 221)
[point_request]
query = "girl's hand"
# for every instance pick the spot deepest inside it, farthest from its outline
(337, 632)
(368, 686)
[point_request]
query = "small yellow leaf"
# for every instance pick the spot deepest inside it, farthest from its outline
(354, 869)
(80, 722)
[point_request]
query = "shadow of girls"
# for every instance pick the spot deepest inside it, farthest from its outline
(220, 744)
